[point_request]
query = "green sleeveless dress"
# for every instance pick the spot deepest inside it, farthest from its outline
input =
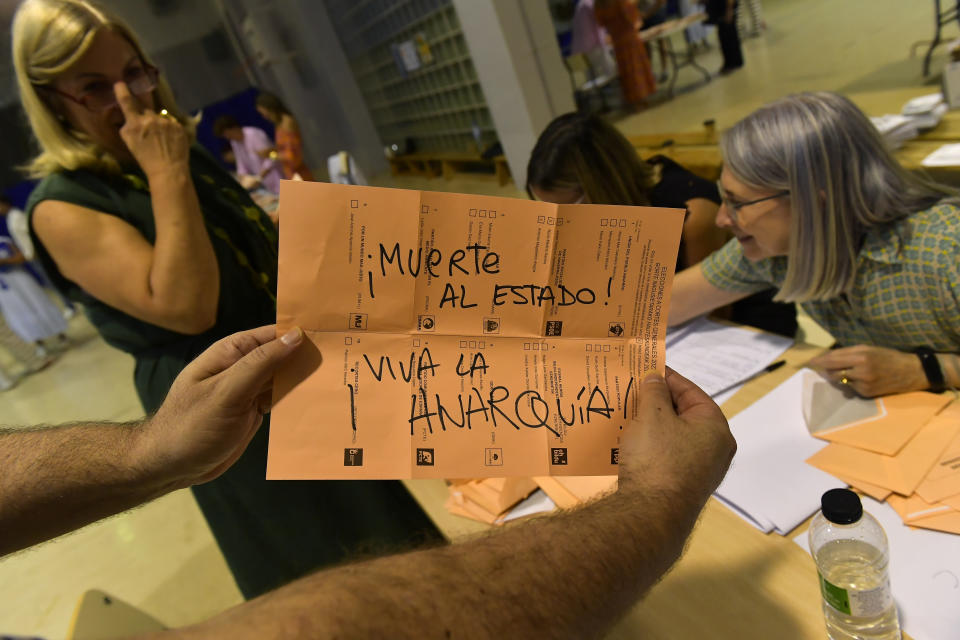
(269, 532)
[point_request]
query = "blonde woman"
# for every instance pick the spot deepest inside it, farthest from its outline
(822, 211)
(168, 254)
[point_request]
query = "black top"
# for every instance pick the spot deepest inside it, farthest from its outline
(841, 506)
(244, 242)
(678, 185)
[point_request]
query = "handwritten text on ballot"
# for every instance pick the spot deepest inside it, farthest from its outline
(463, 336)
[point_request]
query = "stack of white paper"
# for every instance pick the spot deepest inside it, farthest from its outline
(717, 357)
(925, 111)
(896, 129)
(946, 156)
(924, 575)
(769, 483)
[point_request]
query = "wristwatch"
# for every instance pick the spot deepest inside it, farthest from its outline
(931, 368)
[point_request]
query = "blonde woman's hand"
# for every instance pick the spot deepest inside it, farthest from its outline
(158, 143)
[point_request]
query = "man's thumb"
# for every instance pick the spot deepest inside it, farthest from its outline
(655, 397)
(247, 377)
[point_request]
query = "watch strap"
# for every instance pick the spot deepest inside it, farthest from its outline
(931, 368)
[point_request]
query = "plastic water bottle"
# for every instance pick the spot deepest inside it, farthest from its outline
(850, 549)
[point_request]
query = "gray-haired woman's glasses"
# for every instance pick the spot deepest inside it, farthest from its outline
(733, 208)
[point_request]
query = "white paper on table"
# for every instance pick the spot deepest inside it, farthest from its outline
(897, 129)
(759, 522)
(930, 119)
(924, 575)
(769, 478)
(714, 356)
(536, 502)
(946, 156)
(922, 104)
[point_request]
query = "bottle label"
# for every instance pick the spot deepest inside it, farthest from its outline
(854, 602)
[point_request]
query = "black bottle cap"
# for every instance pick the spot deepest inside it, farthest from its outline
(841, 506)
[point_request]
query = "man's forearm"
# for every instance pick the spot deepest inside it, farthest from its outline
(57, 479)
(578, 573)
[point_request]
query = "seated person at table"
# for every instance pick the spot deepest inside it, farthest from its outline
(584, 159)
(287, 132)
(822, 211)
(253, 152)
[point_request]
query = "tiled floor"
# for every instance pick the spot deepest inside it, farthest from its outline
(161, 557)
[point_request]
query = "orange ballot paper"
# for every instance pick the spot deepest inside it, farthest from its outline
(462, 335)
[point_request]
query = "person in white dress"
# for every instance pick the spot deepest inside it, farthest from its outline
(26, 308)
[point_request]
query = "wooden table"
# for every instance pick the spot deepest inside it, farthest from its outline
(732, 582)
(878, 103)
(663, 32)
(449, 163)
(696, 152)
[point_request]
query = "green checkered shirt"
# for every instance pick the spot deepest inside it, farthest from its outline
(906, 293)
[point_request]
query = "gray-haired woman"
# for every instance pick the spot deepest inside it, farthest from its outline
(822, 211)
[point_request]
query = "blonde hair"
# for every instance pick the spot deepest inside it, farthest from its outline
(842, 179)
(50, 36)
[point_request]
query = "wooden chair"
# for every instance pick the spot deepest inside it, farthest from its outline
(941, 17)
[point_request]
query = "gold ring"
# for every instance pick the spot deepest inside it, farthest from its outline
(843, 377)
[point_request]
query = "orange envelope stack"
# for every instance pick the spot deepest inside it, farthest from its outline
(492, 500)
(487, 499)
(908, 454)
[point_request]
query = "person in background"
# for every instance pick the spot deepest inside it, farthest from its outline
(587, 566)
(19, 230)
(26, 308)
(168, 254)
(343, 169)
(287, 134)
(723, 14)
(654, 13)
(757, 23)
(622, 21)
(822, 211)
(589, 38)
(253, 152)
(695, 34)
(28, 356)
(583, 158)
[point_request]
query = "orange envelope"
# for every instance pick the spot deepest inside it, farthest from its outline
(944, 478)
(877, 493)
(570, 491)
(899, 418)
(497, 495)
(948, 522)
(459, 506)
(468, 336)
(915, 508)
(952, 501)
(936, 517)
(902, 472)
